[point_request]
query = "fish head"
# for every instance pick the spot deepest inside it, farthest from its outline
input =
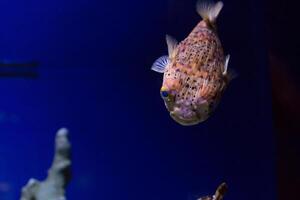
(184, 111)
(184, 108)
(168, 95)
(169, 90)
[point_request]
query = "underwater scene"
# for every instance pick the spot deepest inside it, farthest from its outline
(152, 100)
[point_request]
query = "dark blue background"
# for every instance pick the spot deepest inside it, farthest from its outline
(95, 79)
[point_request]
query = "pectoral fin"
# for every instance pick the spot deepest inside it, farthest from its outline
(229, 73)
(226, 65)
(160, 64)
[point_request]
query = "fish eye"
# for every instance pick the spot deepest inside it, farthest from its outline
(164, 94)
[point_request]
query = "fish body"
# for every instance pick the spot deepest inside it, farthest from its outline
(195, 71)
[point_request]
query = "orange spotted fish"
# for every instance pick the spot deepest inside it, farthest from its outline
(195, 71)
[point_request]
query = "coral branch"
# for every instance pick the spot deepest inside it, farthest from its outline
(53, 188)
(219, 194)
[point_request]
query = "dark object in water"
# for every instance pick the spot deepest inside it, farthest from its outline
(219, 194)
(19, 69)
(53, 188)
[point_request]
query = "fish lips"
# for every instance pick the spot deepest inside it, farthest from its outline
(186, 115)
(185, 121)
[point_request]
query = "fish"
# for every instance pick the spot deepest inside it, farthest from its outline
(195, 71)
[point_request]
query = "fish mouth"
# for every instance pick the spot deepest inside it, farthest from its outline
(185, 112)
(185, 121)
(186, 115)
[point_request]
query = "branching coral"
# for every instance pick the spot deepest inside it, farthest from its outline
(53, 187)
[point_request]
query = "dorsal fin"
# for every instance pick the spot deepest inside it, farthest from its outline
(172, 45)
(209, 10)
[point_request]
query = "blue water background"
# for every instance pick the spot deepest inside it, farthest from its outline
(95, 79)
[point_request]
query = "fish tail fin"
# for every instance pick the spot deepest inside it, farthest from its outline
(209, 10)
(221, 190)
